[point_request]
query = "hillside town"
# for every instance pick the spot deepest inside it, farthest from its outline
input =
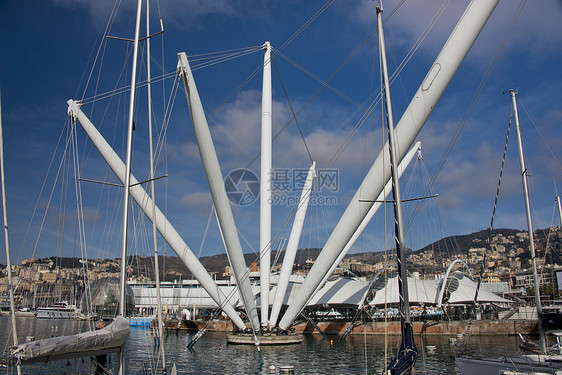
(39, 282)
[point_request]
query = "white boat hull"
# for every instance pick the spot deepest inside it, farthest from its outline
(58, 311)
(530, 364)
(56, 314)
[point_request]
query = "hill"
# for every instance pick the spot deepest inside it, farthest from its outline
(172, 268)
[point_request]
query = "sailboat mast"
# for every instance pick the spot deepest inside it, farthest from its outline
(265, 186)
(559, 209)
(8, 261)
(416, 149)
(398, 223)
(127, 184)
(529, 222)
(154, 237)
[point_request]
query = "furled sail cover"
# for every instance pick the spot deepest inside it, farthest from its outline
(83, 344)
(405, 360)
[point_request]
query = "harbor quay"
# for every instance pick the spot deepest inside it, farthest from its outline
(430, 328)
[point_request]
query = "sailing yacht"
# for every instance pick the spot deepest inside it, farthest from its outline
(405, 360)
(543, 362)
(107, 339)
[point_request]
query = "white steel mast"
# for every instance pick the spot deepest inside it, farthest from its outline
(165, 228)
(7, 242)
(292, 246)
(440, 74)
(159, 318)
(542, 340)
(218, 191)
(127, 184)
(265, 186)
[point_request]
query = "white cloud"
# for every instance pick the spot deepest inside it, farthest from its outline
(237, 136)
(537, 29)
(178, 12)
(457, 181)
(198, 203)
(90, 215)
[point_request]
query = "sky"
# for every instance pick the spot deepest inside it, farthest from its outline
(50, 52)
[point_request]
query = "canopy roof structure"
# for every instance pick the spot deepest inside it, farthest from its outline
(421, 292)
(341, 292)
(336, 292)
(461, 289)
(352, 292)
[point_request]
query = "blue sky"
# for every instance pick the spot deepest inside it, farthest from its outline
(46, 55)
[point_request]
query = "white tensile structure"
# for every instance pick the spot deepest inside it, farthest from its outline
(440, 74)
(164, 227)
(218, 191)
(292, 246)
(338, 292)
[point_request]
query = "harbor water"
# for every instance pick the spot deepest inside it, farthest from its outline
(357, 354)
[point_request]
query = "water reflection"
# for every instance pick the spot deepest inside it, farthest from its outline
(358, 354)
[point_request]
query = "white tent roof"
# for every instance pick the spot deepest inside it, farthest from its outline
(461, 289)
(343, 291)
(419, 292)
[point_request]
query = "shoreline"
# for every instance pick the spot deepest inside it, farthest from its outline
(479, 327)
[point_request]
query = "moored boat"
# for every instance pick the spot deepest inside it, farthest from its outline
(60, 310)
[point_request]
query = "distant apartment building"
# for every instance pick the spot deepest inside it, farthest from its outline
(49, 277)
(547, 276)
(361, 267)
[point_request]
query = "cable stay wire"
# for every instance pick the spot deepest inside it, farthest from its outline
(292, 111)
(474, 100)
(367, 112)
(307, 24)
(372, 100)
(544, 139)
(213, 54)
(213, 60)
(278, 50)
(318, 79)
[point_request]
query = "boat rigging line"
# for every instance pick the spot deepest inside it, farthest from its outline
(490, 230)
(472, 103)
(14, 332)
(534, 122)
(80, 218)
